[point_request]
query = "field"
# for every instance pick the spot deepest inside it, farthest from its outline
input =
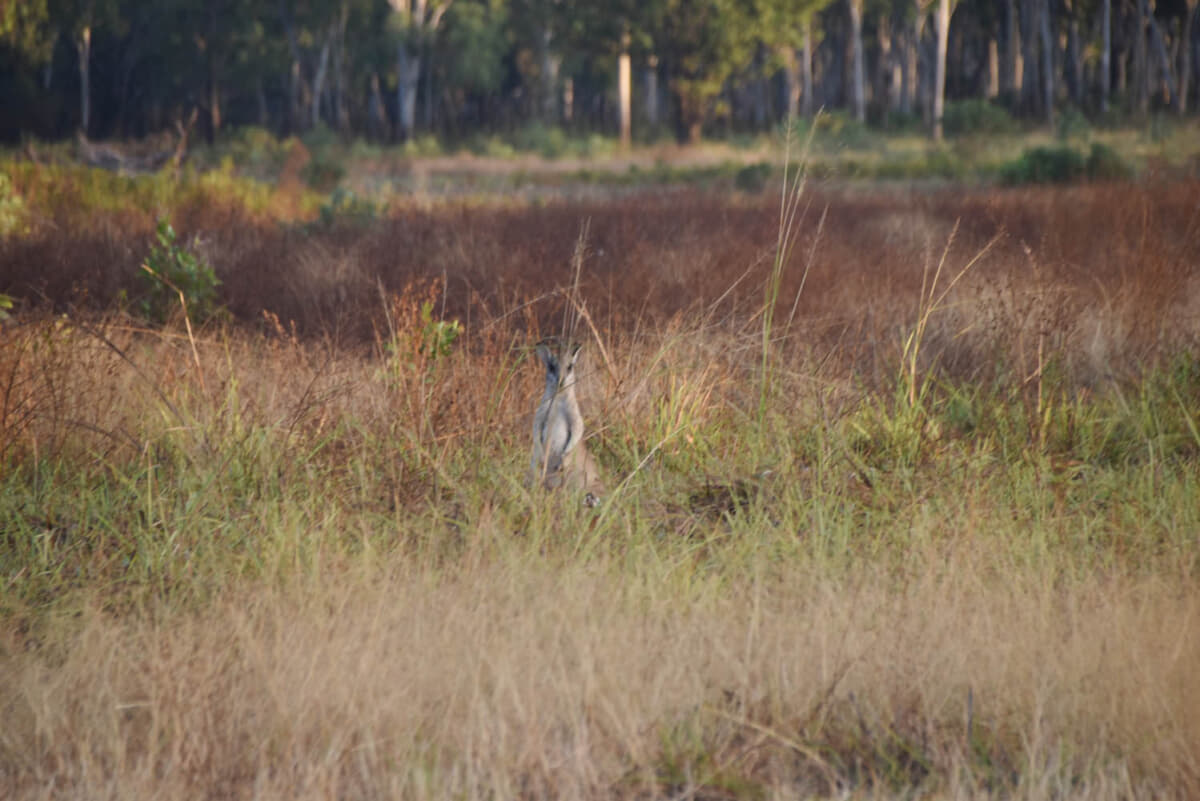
(902, 494)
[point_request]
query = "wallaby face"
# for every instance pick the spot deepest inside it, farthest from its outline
(559, 455)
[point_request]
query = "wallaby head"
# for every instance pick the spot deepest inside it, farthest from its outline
(559, 358)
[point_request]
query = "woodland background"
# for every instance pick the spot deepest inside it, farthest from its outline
(391, 70)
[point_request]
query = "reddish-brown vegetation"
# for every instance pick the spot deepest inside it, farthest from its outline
(1113, 263)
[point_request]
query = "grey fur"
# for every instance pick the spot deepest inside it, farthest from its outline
(560, 457)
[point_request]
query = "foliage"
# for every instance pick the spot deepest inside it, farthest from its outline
(1105, 164)
(1063, 164)
(13, 210)
(976, 116)
(176, 274)
(344, 206)
(1045, 165)
(475, 45)
(326, 169)
(753, 177)
(1071, 123)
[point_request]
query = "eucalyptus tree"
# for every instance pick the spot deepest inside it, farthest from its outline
(473, 52)
(414, 23)
(702, 43)
(786, 28)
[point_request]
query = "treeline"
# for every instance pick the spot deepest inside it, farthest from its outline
(394, 69)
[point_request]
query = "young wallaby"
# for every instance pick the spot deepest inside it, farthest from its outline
(560, 457)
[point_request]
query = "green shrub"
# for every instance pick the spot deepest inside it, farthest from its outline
(323, 174)
(1062, 164)
(256, 149)
(1072, 123)
(977, 116)
(326, 169)
(344, 205)
(832, 128)
(548, 141)
(173, 274)
(1105, 164)
(1045, 165)
(13, 214)
(902, 122)
(753, 177)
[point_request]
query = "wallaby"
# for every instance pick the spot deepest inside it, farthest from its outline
(560, 457)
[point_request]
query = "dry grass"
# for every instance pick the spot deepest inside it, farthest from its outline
(293, 558)
(551, 680)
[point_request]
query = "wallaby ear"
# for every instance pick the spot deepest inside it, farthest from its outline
(573, 352)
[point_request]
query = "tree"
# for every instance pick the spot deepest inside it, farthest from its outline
(1186, 45)
(858, 76)
(414, 22)
(942, 27)
(702, 43)
(1105, 53)
(785, 27)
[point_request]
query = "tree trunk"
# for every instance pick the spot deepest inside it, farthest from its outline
(296, 74)
(807, 107)
(650, 88)
(428, 104)
(625, 93)
(1031, 52)
(991, 87)
(341, 107)
(1164, 62)
(858, 95)
(319, 82)
(1141, 72)
(84, 45)
(551, 63)
(1105, 53)
(214, 104)
(1074, 60)
(1185, 57)
(912, 71)
(885, 91)
(260, 97)
(408, 72)
(1047, 61)
(1010, 70)
(377, 120)
(942, 23)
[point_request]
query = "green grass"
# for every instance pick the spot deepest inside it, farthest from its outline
(266, 472)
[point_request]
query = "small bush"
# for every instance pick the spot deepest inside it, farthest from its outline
(1072, 123)
(13, 214)
(344, 206)
(547, 141)
(326, 169)
(323, 174)
(172, 272)
(753, 177)
(978, 116)
(902, 122)
(832, 128)
(1045, 165)
(256, 149)
(1105, 164)
(1062, 164)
